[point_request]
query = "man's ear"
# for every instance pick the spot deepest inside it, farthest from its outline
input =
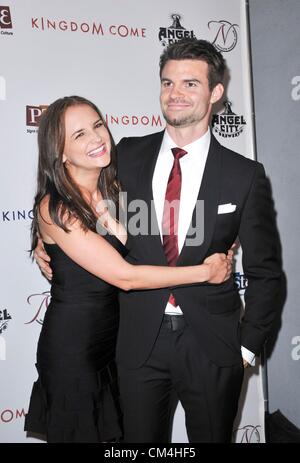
(217, 93)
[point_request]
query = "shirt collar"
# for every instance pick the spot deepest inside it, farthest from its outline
(200, 145)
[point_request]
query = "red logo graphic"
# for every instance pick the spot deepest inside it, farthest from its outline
(125, 119)
(5, 18)
(118, 30)
(40, 303)
(8, 415)
(33, 114)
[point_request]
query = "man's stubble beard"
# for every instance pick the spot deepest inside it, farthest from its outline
(180, 122)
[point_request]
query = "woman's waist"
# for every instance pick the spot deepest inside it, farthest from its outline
(90, 295)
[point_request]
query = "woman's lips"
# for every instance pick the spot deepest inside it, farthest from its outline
(100, 151)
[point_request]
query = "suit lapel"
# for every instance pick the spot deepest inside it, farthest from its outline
(146, 194)
(209, 192)
(148, 165)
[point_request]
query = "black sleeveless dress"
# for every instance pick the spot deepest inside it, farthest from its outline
(75, 398)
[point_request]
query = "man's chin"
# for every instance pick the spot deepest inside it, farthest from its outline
(175, 122)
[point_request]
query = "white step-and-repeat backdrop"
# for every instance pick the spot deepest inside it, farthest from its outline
(107, 52)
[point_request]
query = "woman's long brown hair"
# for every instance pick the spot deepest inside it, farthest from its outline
(65, 199)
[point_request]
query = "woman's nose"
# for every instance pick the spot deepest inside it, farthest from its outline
(96, 135)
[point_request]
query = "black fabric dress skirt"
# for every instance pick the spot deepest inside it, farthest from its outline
(75, 398)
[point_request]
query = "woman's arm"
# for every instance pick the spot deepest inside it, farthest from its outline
(92, 252)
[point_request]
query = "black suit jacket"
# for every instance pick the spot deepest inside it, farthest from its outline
(212, 311)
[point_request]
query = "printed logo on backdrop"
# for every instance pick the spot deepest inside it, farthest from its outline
(4, 320)
(5, 21)
(241, 282)
(175, 32)
(88, 27)
(38, 304)
(225, 34)
(295, 353)
(2, 88)
(7, 415)
(248, 434)
(33, 115)
(134, 120)
(228, 124)
(295, 94)
(17, 215)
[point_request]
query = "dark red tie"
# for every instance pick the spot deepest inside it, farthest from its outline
(171, 213)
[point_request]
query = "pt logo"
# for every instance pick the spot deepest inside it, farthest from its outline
(175, 32)
(228, 124)
(225, 34)
(40, 303)
(5, 18)
(33, 114)
(4, 319)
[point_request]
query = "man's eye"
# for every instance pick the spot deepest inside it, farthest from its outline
(191, 84)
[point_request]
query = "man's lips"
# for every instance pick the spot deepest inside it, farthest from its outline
(178, 106)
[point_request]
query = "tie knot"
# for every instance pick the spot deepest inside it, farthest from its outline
(178, 153)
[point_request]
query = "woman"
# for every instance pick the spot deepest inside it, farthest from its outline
(75, 398)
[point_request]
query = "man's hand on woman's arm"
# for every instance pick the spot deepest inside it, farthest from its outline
(42, 259)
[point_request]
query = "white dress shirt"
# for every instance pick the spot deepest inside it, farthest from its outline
(192, 168)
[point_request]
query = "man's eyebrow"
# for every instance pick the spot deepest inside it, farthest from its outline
(191, 80)
(166, 79)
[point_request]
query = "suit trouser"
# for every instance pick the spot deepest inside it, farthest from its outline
(177, 369)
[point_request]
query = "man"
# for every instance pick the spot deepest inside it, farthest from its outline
(185, 342)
